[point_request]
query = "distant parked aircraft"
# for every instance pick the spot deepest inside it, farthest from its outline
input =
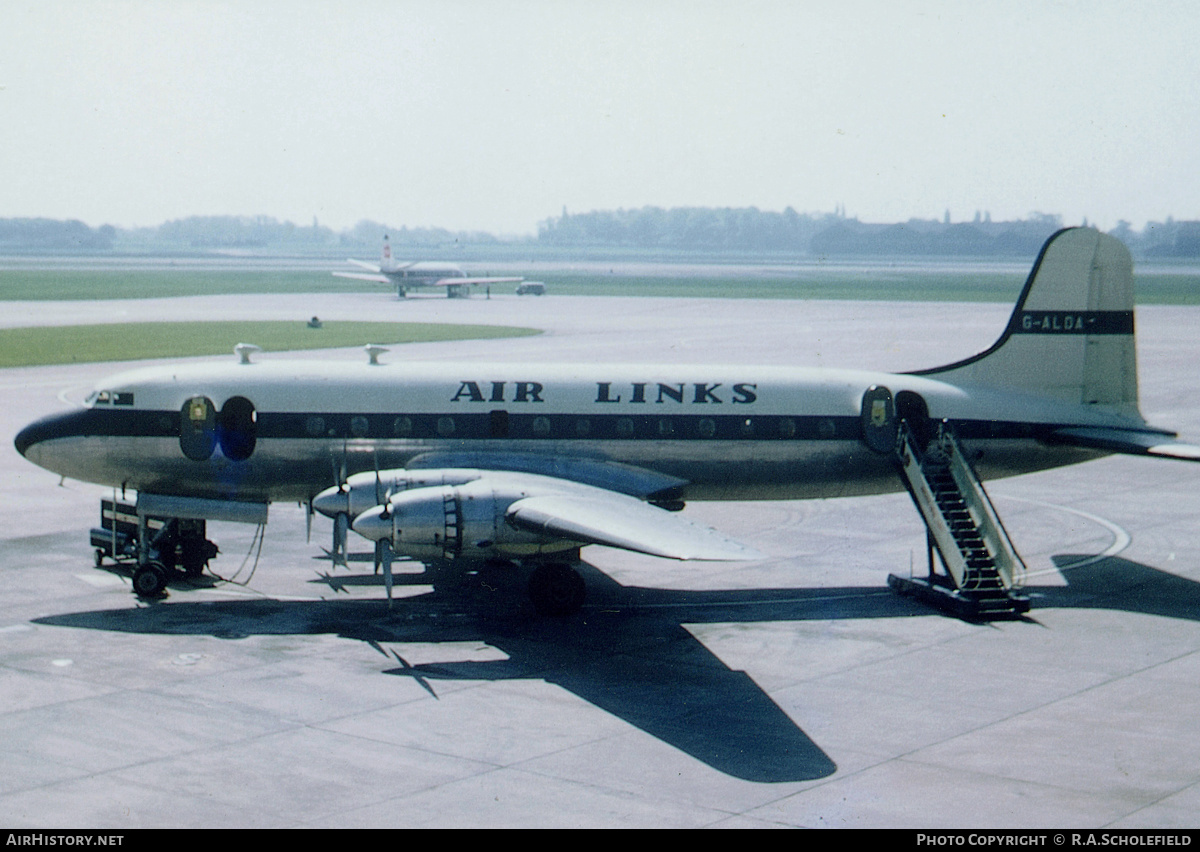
(407, 276)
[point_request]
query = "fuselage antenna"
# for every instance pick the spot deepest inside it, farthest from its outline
(245, 350)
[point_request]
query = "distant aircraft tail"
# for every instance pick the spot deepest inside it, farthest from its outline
(1071, 335)
(385, 257)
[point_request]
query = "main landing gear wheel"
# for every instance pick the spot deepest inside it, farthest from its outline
(150, 580)
(556, 589)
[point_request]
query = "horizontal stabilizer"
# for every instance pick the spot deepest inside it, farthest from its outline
(625, 523)
(1129, 442)
(454, 282)
(362, 276)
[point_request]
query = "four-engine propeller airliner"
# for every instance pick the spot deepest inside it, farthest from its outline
(527, 463)
(416, 274)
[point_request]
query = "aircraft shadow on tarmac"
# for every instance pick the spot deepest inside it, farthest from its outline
(628, 651)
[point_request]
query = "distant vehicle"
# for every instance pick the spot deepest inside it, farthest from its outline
(531, 288)
(408, 276)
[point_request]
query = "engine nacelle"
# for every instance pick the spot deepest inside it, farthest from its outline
(454, 522)
(362, 491)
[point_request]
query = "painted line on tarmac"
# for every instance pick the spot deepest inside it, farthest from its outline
(1121, 538)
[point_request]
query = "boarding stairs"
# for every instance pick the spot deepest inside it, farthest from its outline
(982, 570)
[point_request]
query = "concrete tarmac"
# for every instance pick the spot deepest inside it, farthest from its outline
(795, 691)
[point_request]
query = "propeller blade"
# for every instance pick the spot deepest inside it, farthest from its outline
(334, 470)
(341, 525)
(386, 557)
(339, 470)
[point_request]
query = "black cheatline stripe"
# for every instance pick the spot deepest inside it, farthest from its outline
(532, 427)
(99, 422)
(521, 426)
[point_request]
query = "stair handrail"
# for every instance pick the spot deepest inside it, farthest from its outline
(911, 458)
(1008, 561)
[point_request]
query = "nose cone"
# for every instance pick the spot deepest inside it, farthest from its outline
(375, 524)
(353, 497)
(332, 502)
(27, 437)
(32, 439)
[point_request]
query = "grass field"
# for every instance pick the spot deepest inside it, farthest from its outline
(73, 285)
(85, 344)
(23, 347)
(883, 284)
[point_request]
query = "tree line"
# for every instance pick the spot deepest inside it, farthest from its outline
(834, 234)
(54, 235)
(647, 229)
(219, 232)
(688, 228)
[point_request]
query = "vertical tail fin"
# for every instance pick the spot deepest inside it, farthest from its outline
(1071, 335)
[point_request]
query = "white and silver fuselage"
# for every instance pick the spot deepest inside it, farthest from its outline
(285, 430)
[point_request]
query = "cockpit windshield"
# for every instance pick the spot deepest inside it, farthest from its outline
(107, 397)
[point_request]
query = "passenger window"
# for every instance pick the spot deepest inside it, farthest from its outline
(498, 423)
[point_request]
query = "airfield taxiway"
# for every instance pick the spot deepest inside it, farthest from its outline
(795, 691)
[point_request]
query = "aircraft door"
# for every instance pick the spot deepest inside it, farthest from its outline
(879, 419)
(238, 431)
(912, 409)
(198, 428)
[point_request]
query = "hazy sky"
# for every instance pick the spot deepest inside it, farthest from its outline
(495, 115)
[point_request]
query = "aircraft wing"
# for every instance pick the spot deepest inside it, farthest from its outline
(1129, 442)
(618, 521)
(607, 475)
(449, 282)
(371, 267)
(362, 276)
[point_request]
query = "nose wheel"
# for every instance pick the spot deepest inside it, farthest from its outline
(150, 580)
